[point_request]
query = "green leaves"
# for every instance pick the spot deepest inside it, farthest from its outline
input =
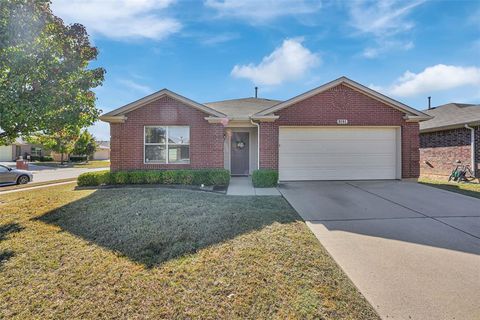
(45, 82)
(85, 145)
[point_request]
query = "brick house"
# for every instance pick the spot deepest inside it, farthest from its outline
(452, 135)
(341, 130)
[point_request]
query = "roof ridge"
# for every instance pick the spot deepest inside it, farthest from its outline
(239, 99)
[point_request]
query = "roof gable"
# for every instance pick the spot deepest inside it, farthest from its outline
(411, 113)
(118, 115)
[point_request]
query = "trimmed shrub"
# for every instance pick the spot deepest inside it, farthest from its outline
(121, 177)
(208, 177)
(93, 178)
(218, 178)
(136, 177)
(78, 158)
(152, 177)
(265, 178)
(41, 158)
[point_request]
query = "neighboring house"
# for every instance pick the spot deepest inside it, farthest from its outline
(21, 148)
(339, 131)
(103, 151)
(453, 134)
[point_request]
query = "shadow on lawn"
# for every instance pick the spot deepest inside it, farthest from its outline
(453, 188)
(5, 230)
(151, 226)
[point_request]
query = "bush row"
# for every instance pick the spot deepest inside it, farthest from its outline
(208, 177)
(78, 158)
(41, 158)
(265, 178)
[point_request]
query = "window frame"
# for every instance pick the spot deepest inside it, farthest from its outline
(37, 153)
(166, 144)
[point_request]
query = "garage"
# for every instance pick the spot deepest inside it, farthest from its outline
(6, 153)
(339, 153)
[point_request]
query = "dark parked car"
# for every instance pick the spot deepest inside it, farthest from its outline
(14, 176)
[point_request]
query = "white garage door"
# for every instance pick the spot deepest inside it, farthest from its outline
(326, 153)
(6, 153)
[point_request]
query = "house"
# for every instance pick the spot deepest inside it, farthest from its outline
(103, 151)
(341, 130)
(22, 148)
(453, 134)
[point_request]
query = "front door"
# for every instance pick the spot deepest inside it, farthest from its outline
(240, 153)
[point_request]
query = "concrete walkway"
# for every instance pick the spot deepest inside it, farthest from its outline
(412, 250)
(242, 186)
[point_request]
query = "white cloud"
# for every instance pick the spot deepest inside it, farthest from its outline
(435, 78)
(385, 46)
(383, 21)
(288, 62)
(382, 18)
(120, 19)
(255, 11)
(212, 40)
(136, 86)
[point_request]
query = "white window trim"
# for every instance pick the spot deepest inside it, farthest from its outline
(166, 144)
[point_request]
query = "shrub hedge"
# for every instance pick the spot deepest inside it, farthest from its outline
(208, 177)
(265, 178)
(41, 158)
(78, 158)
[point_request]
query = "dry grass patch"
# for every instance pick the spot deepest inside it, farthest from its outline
(159, 253)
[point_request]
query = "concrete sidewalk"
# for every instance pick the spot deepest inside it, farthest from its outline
(412, 250)
(242, 186)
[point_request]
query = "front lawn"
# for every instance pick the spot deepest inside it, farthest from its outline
(90, 164)
(159, 253)
(468, 189)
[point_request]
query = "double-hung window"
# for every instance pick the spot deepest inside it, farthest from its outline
(36, 151)
(167, 144)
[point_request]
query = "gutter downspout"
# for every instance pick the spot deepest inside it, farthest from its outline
(472, 149)
(258, 142)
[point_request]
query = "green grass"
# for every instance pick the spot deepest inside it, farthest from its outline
(468, 189)
(90, 164)
(158, 253)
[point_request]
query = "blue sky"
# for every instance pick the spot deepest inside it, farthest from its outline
(220, 49)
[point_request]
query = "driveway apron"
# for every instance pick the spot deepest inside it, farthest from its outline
(412, 250)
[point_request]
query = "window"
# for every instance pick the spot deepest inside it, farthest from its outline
(36, 151)
(167, 144)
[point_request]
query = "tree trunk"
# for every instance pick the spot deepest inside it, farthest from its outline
(61, 158)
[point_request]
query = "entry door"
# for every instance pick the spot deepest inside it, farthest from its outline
(240, 153)
(326, 153)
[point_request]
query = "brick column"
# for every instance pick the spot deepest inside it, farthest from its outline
(410, 150)
(268, 145)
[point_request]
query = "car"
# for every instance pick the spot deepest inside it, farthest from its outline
(14, 176)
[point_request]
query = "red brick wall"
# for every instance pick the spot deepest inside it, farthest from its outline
(439, 150)
(206, 140)
(341, 102)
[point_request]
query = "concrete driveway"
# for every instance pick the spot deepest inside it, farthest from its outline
(412, 250)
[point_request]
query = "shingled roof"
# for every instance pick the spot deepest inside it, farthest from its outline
(241, 108)
(450, 116)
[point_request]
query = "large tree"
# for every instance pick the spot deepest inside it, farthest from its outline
(61, 141)
(45, 79)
